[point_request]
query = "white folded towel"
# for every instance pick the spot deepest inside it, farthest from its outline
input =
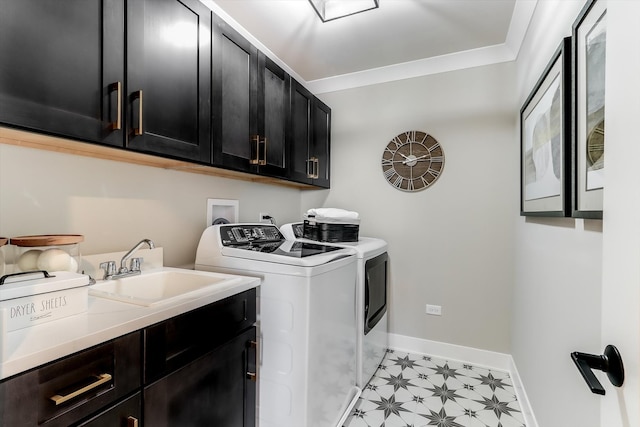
(333, 215)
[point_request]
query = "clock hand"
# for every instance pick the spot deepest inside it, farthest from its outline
(408, 160)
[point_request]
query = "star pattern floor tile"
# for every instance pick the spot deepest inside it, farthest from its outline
(410, 390)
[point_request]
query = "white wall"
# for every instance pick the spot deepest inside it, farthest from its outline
(621, 248)
(114, 205)
(557, 287)
(451, 244)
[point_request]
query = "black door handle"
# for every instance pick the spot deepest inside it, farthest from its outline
(609, 362)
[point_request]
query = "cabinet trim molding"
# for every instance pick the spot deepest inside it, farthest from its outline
(26, 139)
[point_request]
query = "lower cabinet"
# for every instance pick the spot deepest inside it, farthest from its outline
(217, 389)
(67, 391)
(199, 367)
(195, 369)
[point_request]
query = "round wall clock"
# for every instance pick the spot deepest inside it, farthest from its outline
(412, 161)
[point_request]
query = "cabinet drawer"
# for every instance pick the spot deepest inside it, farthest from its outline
(125, 414)
(65, 391)
(172, 344)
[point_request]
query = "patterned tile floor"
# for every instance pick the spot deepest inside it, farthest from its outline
(411, 390)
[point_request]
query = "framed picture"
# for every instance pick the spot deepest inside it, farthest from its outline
(589, 46)
(545, 137)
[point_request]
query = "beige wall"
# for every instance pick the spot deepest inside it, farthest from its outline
(114, 205)
(451, 244)
(558, 281)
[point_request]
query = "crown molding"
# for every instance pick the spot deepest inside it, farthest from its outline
(505, 52)
(407, 70)
(520, 20)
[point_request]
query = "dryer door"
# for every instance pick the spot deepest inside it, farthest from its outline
(375, 290)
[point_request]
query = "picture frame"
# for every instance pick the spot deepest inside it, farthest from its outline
(545, 138)
(588, 69)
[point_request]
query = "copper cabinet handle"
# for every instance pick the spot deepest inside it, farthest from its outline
(117, 86)
(258, 150)
(132, 421)
(255, 147)
(262, 159)
(139, 130)
(310, 162)
(252, 375)
(315, 168)
(100, 379)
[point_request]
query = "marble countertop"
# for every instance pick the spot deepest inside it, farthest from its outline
(104, 320)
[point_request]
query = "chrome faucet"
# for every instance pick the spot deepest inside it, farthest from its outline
(124, 271)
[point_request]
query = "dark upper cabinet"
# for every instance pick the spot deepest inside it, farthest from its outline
(321, 142)
(310, 138)
(168, 78)
(66, 72)
(273, 117)
(250, 106)
(62, 64)
(163, 77)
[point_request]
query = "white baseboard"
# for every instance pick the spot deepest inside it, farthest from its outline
(484, 358)
(521, 394)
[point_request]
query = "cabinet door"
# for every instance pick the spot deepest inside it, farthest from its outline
(168, 78)
(218, 389)
(321, 142)
(235, 108)
(61, 66)
(273, 116)
(300, 167)
(310, 138)
(251, 99)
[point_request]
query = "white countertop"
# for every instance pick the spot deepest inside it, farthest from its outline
(104, 320)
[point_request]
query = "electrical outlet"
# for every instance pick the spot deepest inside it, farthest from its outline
(264, 218)
(434, 310)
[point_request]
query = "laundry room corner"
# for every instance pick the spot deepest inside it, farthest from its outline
(451, 244)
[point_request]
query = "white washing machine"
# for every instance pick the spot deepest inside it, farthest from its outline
(307, 352)
(371, 299)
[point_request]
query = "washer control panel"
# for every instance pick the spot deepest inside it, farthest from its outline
(237, 235)
(298, 230)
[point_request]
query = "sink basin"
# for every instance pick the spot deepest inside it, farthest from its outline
(150, 288)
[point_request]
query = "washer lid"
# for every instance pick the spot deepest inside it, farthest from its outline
(366, 247)
(288, 252)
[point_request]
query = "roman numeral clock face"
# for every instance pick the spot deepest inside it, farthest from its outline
(412, 161)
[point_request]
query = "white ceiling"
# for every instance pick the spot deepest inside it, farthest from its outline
(400, 39)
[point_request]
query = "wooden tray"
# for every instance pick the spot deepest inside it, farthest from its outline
(47, 240)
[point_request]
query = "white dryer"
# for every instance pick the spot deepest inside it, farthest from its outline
(371, 298)
(307, 352)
